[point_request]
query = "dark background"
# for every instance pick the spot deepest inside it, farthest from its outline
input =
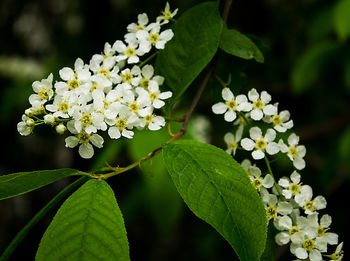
(306, 69)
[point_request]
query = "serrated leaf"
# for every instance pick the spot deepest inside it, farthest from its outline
(164, 204)
(217, 189)
(15, 184)
(196, 40)
(341, 19)
(235, 43)
(88, 226)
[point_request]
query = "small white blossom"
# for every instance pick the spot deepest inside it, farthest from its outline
(43, 90)
(231, 105)
(86, 150)
(259, 144)
(292, 186)
(294, 151)
(304, 200)
(26, 126)
(153, 37)
(260, 105)
(166, 14)
(280, 121)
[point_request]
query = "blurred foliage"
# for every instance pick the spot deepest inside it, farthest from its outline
(306, 48)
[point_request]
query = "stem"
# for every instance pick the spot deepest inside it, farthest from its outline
(226, 10)
(270, 171)
(25, 230)
(148, 59)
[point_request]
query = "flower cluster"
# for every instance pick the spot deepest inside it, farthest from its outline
(114, 92)
(289, 203)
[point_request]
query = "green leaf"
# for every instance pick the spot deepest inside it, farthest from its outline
(217, 189)
(235, 43)
(341, 19)
(22, 182)
(196, 40)
(270, 248)
(88, 226)
(159, 191)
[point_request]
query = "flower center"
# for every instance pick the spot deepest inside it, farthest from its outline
(104, 72)
(134, 107)
(271, 212)
(127, 77)
(148, 118)
(231, 105)
(144, 83)
(86, 119)
(154, 38)
(260, 144)
(295, 188)
(257, 182)
(130, 52)
(153, 96)
(121, 124)
(258, 104)
(293, 230)
(83, 137)
(63, 107)
(293, 152)
(309, 205)
(73, 84)
(44, 94)
(276, 120)
(166, 15)
(309, 244)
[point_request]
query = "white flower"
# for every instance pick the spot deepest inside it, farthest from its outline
(128, 52)
(322, 230)
(232, 141)
(154, 95)
(274, 207)
(147, 73)
(154, 37)
(86, 150)
(63, 105)
(303, 246)
(258, 181)
(294, 151)
(166, 14)
(231, 105)
(26, 126)
(142, 21)
(49, 119)
(105, 65)
(122, 124)
(259, 144)
(304, 200)
(280, 121)
(292, 186)
(77, 80)
(260, 104)
(153, 122)
(43, 90)
(132, 76)
(89, 120)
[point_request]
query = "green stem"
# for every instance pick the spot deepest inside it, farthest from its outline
(148, 59)
(270, 171)
(25, 230)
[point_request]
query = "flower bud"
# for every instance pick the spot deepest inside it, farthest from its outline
(60, 128)
(49, 119)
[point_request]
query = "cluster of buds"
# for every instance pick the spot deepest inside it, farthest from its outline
(288, 203)
(115, 92)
